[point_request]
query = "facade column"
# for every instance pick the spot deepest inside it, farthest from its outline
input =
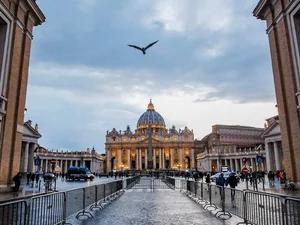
(128, 159)
(26, 155)
(119, 160)
(192, 158)
(163, 159)
(146, 158)
(236, 165)
(154, 158)
(267, 159)
(137, 158)
(41, 166)
(160, 159)
(141, 164)
(46, 166)
(180, 159)
(66, 166)
(30, 159)
(171, 158)
(276, 153)
(108, 160)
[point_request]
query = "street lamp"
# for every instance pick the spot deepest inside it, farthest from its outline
(25, 111)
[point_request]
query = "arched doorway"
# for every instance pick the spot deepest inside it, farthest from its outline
(187, 162)
(112, 163)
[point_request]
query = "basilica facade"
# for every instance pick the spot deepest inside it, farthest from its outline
(150, 146)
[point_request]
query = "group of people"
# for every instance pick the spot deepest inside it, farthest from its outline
(31, 178)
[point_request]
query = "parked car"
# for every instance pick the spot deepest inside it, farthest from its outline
(79, 173)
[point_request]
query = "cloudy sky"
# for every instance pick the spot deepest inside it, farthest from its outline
(211, 66)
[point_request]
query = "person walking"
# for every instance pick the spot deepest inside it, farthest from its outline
(17, 179)
(37, 178)
(232, 181)
(221, 182)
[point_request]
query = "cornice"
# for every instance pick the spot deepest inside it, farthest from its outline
(258, 11)
(38, 12)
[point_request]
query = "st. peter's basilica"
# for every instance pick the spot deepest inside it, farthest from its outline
(150, 146)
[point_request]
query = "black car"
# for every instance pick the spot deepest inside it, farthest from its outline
(79, 173)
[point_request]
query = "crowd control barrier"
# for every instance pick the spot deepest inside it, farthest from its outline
(57, 207)
(253, 207)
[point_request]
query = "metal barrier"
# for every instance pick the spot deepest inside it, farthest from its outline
(292, 211)
(47, 209)
(207, 197)
(252, 206)
(183, 185)
(150, 183)
(130, 182)
(170, 181)
(234, 201)
(13, 213)
(264, 209)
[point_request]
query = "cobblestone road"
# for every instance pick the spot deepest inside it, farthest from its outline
(161, 207)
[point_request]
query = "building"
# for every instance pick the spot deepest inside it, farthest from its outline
(29, 144)
(17, 19)
(60, 161)
(150, 146)
(273, 145)
(233, 146)
(283, 26)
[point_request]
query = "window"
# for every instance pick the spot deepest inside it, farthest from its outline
(295, 24)
(4, 34)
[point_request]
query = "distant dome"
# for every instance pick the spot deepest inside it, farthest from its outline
(151, 117)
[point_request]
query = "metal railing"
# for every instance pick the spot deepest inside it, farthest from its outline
(56, 208)
(253, 207)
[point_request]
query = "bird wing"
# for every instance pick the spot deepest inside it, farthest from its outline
(151, 44)
(137, 47)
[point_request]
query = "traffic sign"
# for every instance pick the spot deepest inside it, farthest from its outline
(245, 170)
(37, 161)
(259, 159)
(53, 161)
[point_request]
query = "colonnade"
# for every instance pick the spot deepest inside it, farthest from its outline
(64, 164)
(236, 164)
(274, 154)
(27, 156)
(162, 158)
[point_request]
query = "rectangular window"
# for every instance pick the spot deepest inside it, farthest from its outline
(3, 53)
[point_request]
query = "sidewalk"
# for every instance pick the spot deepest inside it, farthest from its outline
(162, 207)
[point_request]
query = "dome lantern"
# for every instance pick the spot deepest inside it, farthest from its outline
(150, 105)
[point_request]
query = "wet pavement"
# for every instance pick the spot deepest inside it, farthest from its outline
(61, 185)
(145, 206)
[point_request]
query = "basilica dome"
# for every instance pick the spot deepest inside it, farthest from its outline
(151, 117)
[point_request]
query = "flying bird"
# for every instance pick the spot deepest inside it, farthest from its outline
(143, 49)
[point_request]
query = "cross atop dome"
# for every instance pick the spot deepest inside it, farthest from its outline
(150, 105)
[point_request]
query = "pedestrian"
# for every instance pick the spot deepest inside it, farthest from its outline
(221, 182)
(32, 178)
(28, 177)
(17, 179)
(232, 181)
(271, 177)
(37, 178)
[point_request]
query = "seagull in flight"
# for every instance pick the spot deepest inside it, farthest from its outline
(143, 49)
